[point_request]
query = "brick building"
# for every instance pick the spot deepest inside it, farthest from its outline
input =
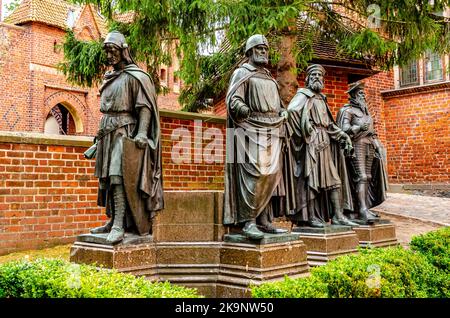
(36, 97)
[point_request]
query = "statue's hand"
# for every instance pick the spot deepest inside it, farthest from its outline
(364, 127)
(244, 112)
(141, 140)
(378, 153)
(309, 129)
(348, 146)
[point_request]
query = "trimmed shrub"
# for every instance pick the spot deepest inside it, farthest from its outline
(380, 273)
(435, 246)
(292, 288)
(55, 278)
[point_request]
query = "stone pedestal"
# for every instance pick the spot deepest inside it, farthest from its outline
(380, 234)
(325, 244)
(191, 264)
(244, 262)
(135, 255)
(190, 247)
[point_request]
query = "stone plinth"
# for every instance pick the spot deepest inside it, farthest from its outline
(325, 244)
(137, 258)
(190, 247)
(190, 216)
(245, 264)
(381, 234)
(191, 264)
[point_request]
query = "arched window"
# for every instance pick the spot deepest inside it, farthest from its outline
(163, 76)
(59, 121)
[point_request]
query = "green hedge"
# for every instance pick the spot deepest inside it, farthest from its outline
(435, 246)
(55, 278)
(382, 273)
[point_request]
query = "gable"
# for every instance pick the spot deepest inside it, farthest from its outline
(90, 25)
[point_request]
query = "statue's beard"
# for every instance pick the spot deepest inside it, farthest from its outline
(260, 59)
(316, 85)
(361, 101)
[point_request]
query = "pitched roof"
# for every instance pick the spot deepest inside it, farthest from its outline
(51, 12)
(325, 51)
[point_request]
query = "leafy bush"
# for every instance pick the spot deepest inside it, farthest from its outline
(435, 246)
(291, 288)
(54, 278)
(381, 273)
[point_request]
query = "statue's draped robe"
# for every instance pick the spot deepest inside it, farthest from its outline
(349, 118)
(318, 164)
(254, 178)
(123, 93)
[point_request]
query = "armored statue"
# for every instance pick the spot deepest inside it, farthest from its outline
(254, 177)
(128, 154)
(321, 186)
(367, 172)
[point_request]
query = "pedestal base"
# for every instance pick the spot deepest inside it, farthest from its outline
(216, 269)
(137, 259)
(242, 265)
(381, 234)
(325, 244)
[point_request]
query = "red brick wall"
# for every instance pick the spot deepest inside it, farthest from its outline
(195, 172)
(14, 77)
(374, 85)
(418, 133)
(48, 193)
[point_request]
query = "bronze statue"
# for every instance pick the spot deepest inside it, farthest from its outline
(321, 185)
(254, 182)
(368, 178)
(128, 155)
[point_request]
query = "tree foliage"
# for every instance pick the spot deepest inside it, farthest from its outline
(380, 32)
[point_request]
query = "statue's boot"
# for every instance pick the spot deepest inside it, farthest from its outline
(339, 218)
(117, 232)
(365, 216)
(103, 229)
(266, 226)
(251, 231)
(316, 223)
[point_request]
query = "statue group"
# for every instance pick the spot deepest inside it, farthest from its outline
(296, 162)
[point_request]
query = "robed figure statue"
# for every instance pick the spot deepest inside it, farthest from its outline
(128, 156)
(255, 190)
(367, 168)
(321, 186)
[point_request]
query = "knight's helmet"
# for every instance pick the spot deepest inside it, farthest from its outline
(118, 39)
(254, 40)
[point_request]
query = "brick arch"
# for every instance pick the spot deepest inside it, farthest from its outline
(73, 104)
(86, 33)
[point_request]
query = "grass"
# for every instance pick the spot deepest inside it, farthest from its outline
(60, 251)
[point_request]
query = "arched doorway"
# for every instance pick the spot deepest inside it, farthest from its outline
(59, 121)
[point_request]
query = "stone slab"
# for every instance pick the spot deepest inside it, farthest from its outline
(325, 230)
(377, 235)
(267, 239)
(129, 239)
(324, 247)
(139, 259)
(242, 265)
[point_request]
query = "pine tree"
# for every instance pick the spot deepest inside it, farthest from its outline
(381, 32)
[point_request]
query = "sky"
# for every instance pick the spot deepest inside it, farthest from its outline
(4, 13)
